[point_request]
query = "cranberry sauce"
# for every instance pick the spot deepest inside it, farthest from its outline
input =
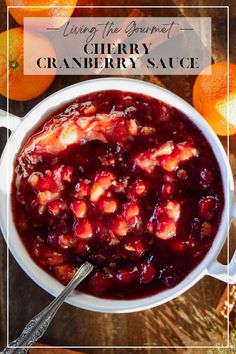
(122, 180)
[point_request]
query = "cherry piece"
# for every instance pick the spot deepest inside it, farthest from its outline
(99, 284)
(147, 273)
(127, 275)
(207, 207)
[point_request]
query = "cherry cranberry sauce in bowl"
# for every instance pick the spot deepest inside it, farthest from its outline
(128, 182)
(122, 180)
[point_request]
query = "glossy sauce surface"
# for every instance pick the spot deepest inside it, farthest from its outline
(122, 180)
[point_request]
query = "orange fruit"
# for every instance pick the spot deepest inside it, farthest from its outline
(22, 87)
(210, 97)
(28, 11)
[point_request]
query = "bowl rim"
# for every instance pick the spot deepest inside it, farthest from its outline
(68, 94)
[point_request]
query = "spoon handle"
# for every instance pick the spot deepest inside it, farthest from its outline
(38, 325)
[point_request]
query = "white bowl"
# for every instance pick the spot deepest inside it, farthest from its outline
(20, 127)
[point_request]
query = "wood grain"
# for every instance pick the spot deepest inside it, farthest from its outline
(190, 319)
(45, 350)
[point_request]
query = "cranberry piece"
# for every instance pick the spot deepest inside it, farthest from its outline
(64, 272)
(173, 209)
(99, 284)
(182, 152)
(79, 208)
(137, 189)
(83, 229)
(166, 230)
(151, 158)
(185, 151)
(146, 161)
(146, 273)
(103, 181)
(207, 207)
(90, 110)
(55, 207)
(119, 226)
(104, 178)
(127, 275)
(108, 206)
(82, 188)
(47, 196)
(34, 179)
(130, 210)
(170, 163)
(96, 192)
(165, 149)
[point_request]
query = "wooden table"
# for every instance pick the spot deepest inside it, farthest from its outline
(188, 320)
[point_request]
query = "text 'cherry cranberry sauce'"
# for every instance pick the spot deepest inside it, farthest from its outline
(124, 181)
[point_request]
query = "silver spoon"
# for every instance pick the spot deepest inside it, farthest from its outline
(39, 324)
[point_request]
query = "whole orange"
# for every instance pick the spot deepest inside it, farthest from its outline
(22, 87)
(210, 98)
(59, 15)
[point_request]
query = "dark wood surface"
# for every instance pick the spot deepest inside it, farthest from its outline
(188, 320)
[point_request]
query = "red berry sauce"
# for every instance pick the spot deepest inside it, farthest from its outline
(122, 180)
